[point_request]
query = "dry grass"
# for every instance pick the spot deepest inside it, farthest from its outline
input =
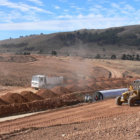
(20, 74)
(75, 70)
(132, 67)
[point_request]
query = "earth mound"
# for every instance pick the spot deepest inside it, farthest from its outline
(73, 88)
(85, 87)
(30, 96)
(70, 96)
(13, 98)
(61, 90)
(3, 102)
(46, 93)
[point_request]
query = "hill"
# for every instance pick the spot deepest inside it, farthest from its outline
(87, 42)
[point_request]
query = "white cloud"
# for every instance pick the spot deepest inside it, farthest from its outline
(90, 22)
(98, 16)
(56, 7)
(129, 7)
(122, 7)
(37, 2)
(66, 10)
(66, 16)
(22, 7)
(76, 7)
(115, 5)
(9, 18)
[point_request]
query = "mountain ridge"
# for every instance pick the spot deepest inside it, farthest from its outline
(84, 42)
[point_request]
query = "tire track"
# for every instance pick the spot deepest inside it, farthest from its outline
(94, 111)
(113, 73)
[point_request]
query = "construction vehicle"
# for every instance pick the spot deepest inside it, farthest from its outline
(132, 96)
(42, 81)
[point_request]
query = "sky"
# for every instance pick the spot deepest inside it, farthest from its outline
(26, 17)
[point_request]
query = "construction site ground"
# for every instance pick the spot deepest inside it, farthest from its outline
(100, 120)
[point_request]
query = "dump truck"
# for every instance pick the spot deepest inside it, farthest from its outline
(42, 81)
(132, 96)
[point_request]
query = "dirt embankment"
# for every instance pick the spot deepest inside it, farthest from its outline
(27, 101)
(13, 98)
(30, 96)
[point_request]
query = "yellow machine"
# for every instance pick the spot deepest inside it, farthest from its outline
(132, 96)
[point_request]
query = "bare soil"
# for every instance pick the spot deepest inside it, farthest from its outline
(27, 101)
(102, 120)
(30, 96)
(13, 98)
(61, 90)
(46, 93)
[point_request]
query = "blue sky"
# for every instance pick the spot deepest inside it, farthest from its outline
(20, 18)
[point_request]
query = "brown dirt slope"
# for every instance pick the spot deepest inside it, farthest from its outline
(46, 93)
(120, 127)
(13, 98)
(61, 90)
(30, 96)
(104, 110)
(3, 102)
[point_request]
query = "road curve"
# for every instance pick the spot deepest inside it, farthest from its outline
(114, 73)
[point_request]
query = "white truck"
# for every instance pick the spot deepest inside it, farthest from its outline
(42, 81)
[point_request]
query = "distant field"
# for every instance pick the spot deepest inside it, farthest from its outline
(128, 67)
(18, 70)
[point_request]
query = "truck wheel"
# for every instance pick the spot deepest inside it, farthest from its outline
(118, 100)
(131, 101)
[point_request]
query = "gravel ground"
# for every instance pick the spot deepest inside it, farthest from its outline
(103, 120)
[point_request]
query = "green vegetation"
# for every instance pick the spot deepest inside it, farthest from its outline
(86, 43)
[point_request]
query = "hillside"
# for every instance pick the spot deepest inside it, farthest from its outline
(106, 42)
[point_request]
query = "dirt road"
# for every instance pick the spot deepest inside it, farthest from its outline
(85, 113)
(114, 73)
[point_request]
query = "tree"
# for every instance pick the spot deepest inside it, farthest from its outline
(137, 57)
(98, 56)
(113, 56)
(124, 57)
(54, 53)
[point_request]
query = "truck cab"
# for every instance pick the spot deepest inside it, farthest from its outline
(38, 81)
